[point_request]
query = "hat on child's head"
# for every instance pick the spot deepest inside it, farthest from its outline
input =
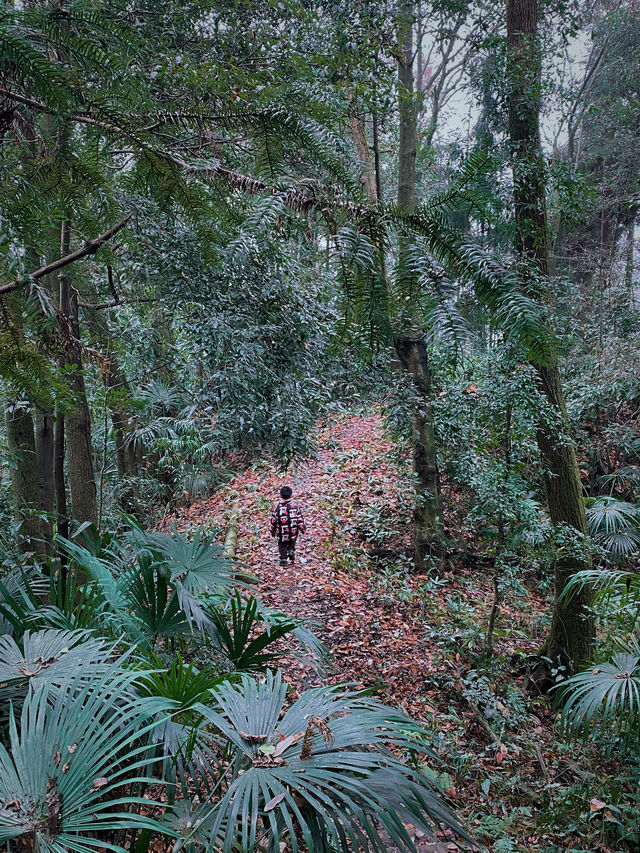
(286, 492)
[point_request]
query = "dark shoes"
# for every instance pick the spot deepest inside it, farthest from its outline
(290, 557)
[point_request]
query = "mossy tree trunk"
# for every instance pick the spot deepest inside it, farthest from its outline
(570, 639)
(24, 476)
(82, 485)
(427, 524)
(409, 345)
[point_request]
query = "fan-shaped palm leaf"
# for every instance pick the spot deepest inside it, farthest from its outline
(608, 515)
(52, 657)
(65, 775)
(321, 769)
(602, 695)
(197, 564)
(615, 526)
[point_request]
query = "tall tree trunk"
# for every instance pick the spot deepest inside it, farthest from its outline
(410, 348)
(60, 485)
(45, 451)
(82, 485)
(45, 456)
(571, 634)
(407, 112)
(363, 151)
(59, 475)
(427, 522)
(24, 477)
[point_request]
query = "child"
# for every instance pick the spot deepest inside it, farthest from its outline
(287, 522)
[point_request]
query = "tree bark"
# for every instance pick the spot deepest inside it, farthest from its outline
(358, 135)
(571, 635)
(407, 113)
(45, 451)
(628, 262)
(45, 456)
(24, 477)
(427, 521)
(60, 485)
(84, 501)
(410, 348)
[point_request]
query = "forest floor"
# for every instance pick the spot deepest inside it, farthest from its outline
(419, 640)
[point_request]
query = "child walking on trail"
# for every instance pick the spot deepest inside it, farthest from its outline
(286, 523)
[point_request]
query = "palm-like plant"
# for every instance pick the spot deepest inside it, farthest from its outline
(197, 568)
(245, 650)
(67, 770)
(603, 697)
(609, 694)
(21, 591)
(49, 657)
(187, 747)
(156, 586)
(321, 773)
(615, 526)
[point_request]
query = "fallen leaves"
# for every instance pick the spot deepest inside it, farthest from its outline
(378, 638)
(273, 802)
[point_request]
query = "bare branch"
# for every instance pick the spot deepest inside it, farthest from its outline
(89, 248)
(100, 306)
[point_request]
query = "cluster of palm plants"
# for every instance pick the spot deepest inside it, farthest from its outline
(140, 703)
(606, 696)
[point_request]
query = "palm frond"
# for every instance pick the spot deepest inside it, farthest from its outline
(69, 764)
(322, 768)
(50, 657)
(602, 696)
(243, 647)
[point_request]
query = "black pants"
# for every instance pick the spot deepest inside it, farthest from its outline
(287, 549)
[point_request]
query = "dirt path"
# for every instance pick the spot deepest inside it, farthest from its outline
(355, 495)
(389, 628)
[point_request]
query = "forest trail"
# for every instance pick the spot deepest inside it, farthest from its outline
(355, 495)
(352, 493)
(386, 627)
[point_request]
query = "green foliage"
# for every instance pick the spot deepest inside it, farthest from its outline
(322, 765)
(100, 726)
(615, 526)
(604, 696)
(246, 653)
(68, 760)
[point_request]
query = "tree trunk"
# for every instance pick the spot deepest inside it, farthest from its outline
(358, 135)
(427, 522)
(62, 512)
(84, 501)
(571, 635)
(24, 477)
(407, 117)
(45, 455)
(410, 348)
(628, 262)
(572, 631)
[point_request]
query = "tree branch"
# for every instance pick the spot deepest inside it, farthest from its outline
(100, 306)
(89, 248)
